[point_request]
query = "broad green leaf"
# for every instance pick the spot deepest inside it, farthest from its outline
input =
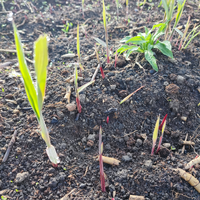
(100, 42)
(151, 59)
(125, 48)
(136, 40)
(28, 83)
(80, 89)
(104, 15)
(41, 62)
(126, 39)
(158, 25)
(131, 50)
(167, 44)
(156, 36)
(162, 47)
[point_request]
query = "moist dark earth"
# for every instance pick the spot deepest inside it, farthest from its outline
(173, 90)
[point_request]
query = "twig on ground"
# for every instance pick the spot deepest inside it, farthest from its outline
(183, 149)
(66, 196)
(14, 51)
(95, 73)
(12, 141)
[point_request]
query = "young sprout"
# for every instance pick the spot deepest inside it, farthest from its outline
(36, 95)
(76, 89)
(161, 128)
(80, 89)
(78, 49)
(101, 68)
(3, 8)
(106, 33)
(116, 59)
(102, 178)
(155, 135)
(178, 14)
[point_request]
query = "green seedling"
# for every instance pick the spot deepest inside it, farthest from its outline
(78, 49)
(3, 198)
(106, 32)
(80, 89)
(155, 135)
(162, 128)
(67, 26)
(36, 95)
(127, 8)
(146, 42)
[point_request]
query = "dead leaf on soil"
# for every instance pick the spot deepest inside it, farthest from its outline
(110, 161)
(68, 94)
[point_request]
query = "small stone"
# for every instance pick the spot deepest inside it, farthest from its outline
(148, 164)
(54, 120)
(167, 145)
(113, 87)
(19, 150)
(9, 96)
(107, 147)
(82, 185)
(21, 177)
(164, 152)
(96, 128)
(90, 143)
(152, 71)
(63, 145)
(172, 89)
(82, 98)
(165, 83)
(71, 107)
(138, 142)
(126, 158)
(172, 77)
(184, 118)
(1, 183)
(60, 114)
(15, 111)
(91, 137)
(62, 176)
(121, 63)
(53, 182)
(84, 139)
(180, 79)
(174, 105)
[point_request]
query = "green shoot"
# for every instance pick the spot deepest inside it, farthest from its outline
(78, 49)
(178, 14)
(155, 135)
(36, 95)
(106, 33)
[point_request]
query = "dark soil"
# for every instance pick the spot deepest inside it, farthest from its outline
(127, 136)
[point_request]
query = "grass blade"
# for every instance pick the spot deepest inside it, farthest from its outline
(155, 135)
